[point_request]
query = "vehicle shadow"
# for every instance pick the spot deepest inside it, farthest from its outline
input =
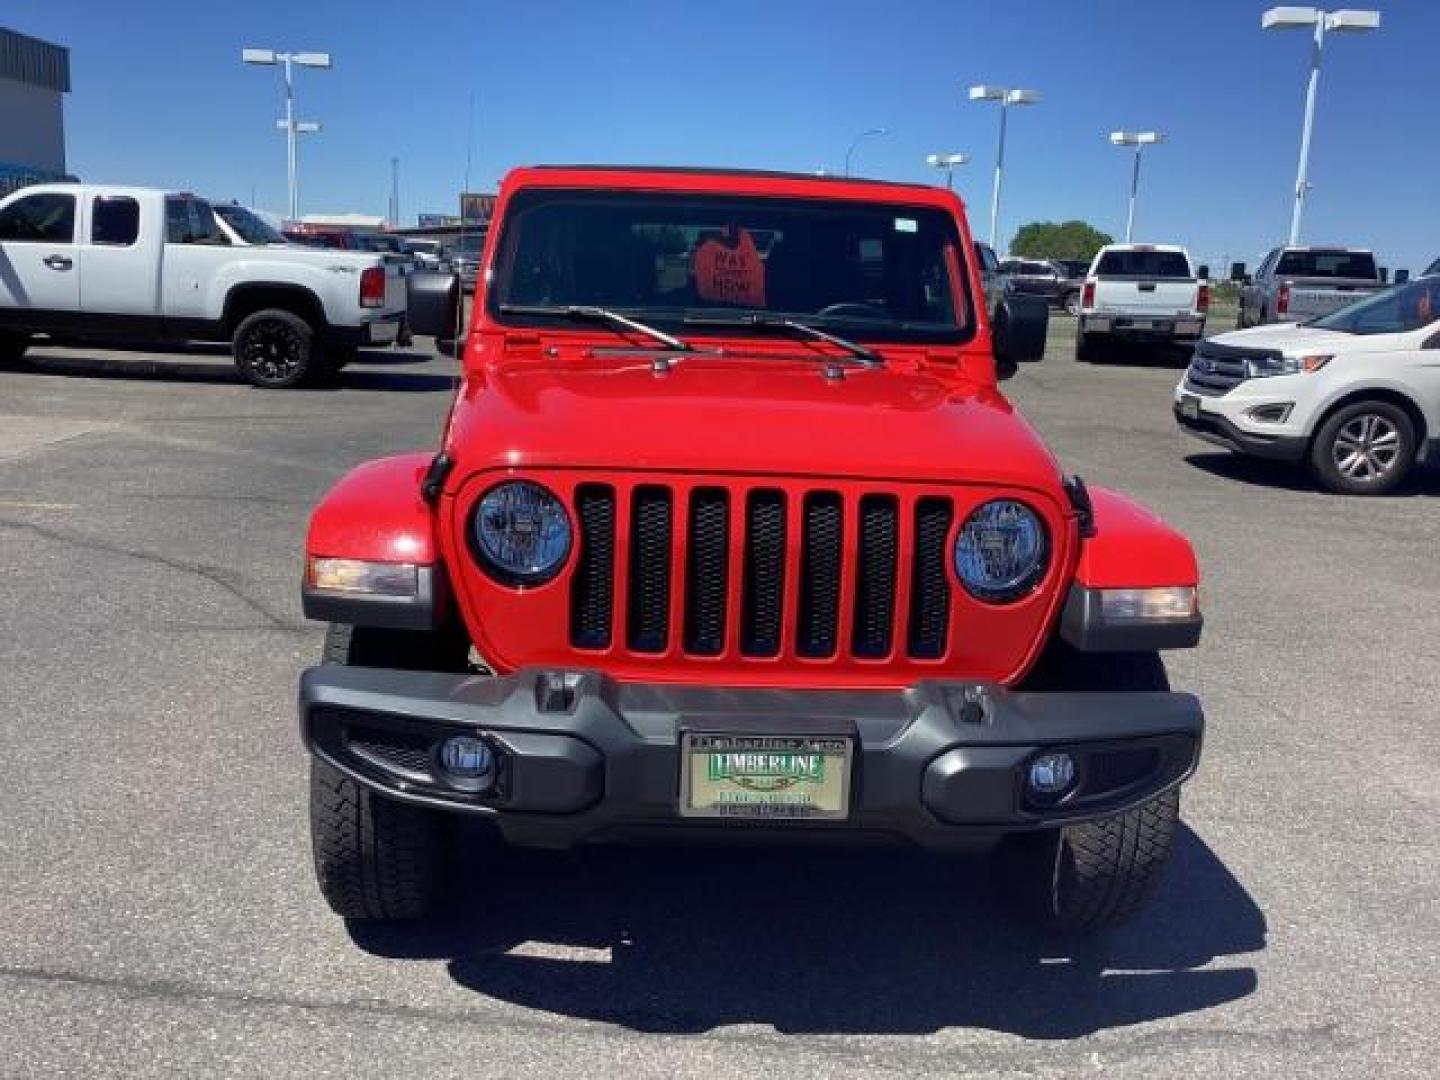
(1132, 354)
(1258, 472)
(367, 373)
(668, 940)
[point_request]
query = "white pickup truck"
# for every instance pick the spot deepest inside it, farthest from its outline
(1354, 394)
(141, 265)
(1147, 293)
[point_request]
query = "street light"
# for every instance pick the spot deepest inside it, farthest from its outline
(1295, 18)
(856, 142)
(1139, 140)
(291, 126)
(948, 163)
(1006, 96)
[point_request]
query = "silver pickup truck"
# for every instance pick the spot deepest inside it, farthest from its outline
(1296, 284)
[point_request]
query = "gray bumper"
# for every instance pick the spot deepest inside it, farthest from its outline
(586, 758)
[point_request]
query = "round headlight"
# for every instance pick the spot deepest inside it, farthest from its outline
(522, 533)
(1001, 552)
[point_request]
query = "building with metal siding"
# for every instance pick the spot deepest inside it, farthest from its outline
(34, 79)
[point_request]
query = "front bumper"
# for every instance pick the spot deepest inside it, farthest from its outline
(1226, 419)
(586, 758)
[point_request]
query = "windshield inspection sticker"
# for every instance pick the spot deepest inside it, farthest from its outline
(906, 224)
(730, 271)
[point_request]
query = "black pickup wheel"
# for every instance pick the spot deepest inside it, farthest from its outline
(276, 349)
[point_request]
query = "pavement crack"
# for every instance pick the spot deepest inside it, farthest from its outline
(213, 574)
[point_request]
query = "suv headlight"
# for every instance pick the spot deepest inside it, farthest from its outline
(521, 533)
(1002, 551)
(1259, 367)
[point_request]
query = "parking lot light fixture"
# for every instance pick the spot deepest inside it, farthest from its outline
(289, 125)
(1139, 140)
(1291, 17)
(870, 133)
(948, 163)
(1006, 96)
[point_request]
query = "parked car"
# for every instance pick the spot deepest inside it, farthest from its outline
(94, 262)
(1048, 280)
(428, 254)
(994, 281)
(1355, 394)
(1074, 268)
(756, 552)
(1294, 284)
(1146, 293)
(465, 258)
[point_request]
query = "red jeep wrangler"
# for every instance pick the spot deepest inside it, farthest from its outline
(731, 535)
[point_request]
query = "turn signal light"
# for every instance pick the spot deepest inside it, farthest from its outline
(1149, 605)
(362, 578)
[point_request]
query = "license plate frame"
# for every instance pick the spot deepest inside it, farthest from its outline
(773, 790)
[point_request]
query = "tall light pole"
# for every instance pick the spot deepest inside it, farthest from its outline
(1139, 140)
(291, 126)
(1006, 96)
(1295, 18)
(856, 142)
(394, 192)
(948, 163)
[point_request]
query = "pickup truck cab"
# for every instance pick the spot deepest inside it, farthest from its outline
(730, 535)
(141, 265)
(1296, 284)
(1146, 293)
(1355, 394)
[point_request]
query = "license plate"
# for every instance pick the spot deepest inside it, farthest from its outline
(1190, 406)
(771, 777)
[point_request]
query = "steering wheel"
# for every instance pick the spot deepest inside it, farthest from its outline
(864, 311)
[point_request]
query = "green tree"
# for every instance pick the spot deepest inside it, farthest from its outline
(1059, 240)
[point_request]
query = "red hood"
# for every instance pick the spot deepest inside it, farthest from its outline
(745, 415)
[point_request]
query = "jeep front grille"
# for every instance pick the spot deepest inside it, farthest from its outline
(759, 571)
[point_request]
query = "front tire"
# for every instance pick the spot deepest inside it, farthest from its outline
(375, 858)
(1366, 448)
(1093, 875)
(275, 349)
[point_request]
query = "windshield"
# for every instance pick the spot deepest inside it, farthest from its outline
(1394, 311)
(1148, 264)
(878, 270)
(1327, 264)
(249, 225)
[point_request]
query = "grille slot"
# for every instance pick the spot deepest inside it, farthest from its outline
(820, 558)
(409, 753)
(648, 625)
(707, 571)
(592, 599)
(1216, 370)
(763, 597)
(875, 577)
(930, 584)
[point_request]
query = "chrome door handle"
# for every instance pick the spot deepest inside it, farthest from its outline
(58, 262)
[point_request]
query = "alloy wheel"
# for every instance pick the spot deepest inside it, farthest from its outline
(1366, 447)
(273, 351)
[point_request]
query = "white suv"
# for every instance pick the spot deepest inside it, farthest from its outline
(1355, 394)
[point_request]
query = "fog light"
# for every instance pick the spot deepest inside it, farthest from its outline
(467, 758)
(1051, 775)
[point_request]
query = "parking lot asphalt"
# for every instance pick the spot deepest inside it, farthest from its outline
(158, 915)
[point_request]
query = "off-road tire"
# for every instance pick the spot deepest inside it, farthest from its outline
(1399, 433)
(276, 349)
(1093, 875)
(376, 858)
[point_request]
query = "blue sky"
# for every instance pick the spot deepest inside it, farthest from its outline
(160, 96)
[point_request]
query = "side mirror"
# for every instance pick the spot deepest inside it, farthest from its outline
(1237, 273)
(433, 304)
(1204, 274)
(1021, 323)
(1402, 276)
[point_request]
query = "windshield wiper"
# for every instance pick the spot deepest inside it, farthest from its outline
(868, 357)
(586, 313)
